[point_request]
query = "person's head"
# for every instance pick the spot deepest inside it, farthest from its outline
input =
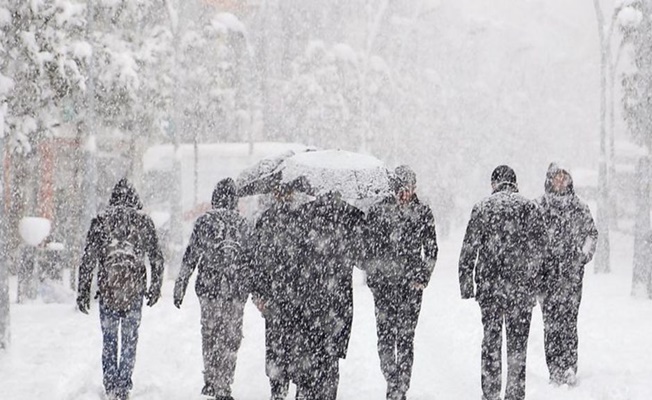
(405, 183)
(124, 194)
(558, 180)
(225, 194)
(503, 176)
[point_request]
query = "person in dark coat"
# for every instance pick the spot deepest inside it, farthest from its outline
(274, 269)
(572, 238)
(503, 248)
(401, 251)
(217, 248)
(329, 234)
(122, 281)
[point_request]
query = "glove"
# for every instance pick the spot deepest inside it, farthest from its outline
(83, 303)
(153, 294)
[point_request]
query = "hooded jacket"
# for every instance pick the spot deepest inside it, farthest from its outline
(222, 222)
(503, 248)
(123, 212)
(571, 232)
(401, 243)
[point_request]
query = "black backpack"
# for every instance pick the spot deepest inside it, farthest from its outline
(123, 264)
(224, 254)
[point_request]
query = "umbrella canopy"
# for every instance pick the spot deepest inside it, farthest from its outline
(354, 175)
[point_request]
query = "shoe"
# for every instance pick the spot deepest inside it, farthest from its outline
(570, 378)
(208, 390)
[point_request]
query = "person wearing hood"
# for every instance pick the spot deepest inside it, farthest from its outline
(217, 249)
(118, 241)
(572, 238)
(401, 252)
(503, 252)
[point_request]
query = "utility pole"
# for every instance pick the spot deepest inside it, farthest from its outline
(89, 189)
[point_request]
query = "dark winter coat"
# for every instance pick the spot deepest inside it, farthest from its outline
(205, 250)
(274, 251)
(503, 248)
(329, 234)
(124, 208)
(401, 243)
(572, 235)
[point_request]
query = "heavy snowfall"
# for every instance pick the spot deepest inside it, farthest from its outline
(381, 128)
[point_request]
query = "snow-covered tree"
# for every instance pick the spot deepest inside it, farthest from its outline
(44, 55)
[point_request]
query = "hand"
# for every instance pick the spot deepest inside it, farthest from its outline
(83, 303)
(260, 304)
(152, 296)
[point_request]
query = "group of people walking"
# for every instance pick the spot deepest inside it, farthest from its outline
(296, 262)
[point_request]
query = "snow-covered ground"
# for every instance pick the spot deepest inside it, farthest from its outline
(55, 352)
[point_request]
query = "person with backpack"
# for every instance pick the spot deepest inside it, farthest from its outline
(117, 243)
(572, 238)
(401, 250)
(217, 250)
(501, 264)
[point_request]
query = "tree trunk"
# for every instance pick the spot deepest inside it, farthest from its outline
(602, 254)
(642, 235)
(4, 260)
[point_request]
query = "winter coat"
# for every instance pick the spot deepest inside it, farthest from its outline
(503, 248)
(219, 275)
(401, 243)
(123, 211)
(329, 233)
(572, 235)
(274, 255)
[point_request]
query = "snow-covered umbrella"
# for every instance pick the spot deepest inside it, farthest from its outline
(354, 176)
(264, 175)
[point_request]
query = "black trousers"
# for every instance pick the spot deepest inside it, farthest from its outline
(560, 310)
(320, 380)
(277, 356)
(397, 313)
(516, 319)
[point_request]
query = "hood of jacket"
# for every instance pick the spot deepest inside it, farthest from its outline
(124, 194)
(225, 195)
(553, 170)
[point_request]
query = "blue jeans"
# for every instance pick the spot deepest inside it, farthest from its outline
(117, 371)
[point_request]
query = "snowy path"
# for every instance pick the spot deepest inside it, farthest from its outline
(55, 350)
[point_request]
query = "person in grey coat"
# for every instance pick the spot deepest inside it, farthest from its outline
(217, 248)
(501, 265)
(572, 238)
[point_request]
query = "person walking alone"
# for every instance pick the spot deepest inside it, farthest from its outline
(117, 243)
